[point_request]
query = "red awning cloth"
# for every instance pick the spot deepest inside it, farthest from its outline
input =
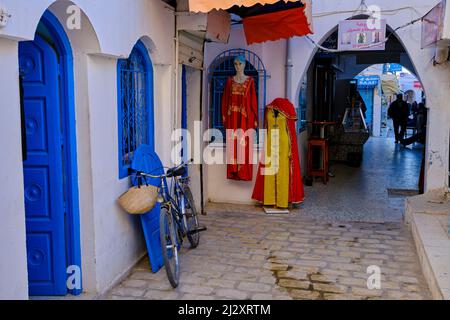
(278, 25)
(208, 5)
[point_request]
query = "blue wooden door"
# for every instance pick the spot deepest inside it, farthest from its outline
(43, 169)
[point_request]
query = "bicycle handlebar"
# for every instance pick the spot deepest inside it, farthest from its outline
(183, 164)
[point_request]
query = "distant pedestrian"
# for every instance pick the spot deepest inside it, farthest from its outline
(414, 108)
(399, 112)
(421, 134)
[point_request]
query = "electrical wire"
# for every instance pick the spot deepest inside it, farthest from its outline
(387, 12)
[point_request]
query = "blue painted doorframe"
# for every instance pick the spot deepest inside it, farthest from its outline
(184, 117)
(56, 37)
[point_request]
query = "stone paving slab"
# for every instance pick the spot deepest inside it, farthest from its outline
(246, 254)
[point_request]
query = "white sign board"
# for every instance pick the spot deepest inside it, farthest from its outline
(433, 25)
(362, 35)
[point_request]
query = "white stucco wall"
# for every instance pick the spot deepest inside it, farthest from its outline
(111, 240)
(13, 265)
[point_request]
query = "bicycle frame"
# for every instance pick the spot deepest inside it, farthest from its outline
(175, 205)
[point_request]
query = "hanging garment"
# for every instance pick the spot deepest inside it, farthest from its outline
(286, 185)
(276, 186)
(239, 113)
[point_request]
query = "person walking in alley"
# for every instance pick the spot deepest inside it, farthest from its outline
(420, 136)
(399, 112)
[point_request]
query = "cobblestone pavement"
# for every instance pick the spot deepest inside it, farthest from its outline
(361, 194)
(310, 253)
(246, 254)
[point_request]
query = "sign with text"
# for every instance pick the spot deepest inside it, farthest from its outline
(362, 35)
(368, 81)
(394, 67)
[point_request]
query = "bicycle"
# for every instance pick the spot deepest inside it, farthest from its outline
(178, 218)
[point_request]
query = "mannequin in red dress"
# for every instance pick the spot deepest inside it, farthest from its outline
(239, 114)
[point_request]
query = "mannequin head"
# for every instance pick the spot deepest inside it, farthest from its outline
(239, 64)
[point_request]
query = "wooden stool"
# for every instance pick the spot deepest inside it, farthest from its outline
(323, 145)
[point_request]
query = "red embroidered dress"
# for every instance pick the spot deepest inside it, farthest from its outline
(239, 111)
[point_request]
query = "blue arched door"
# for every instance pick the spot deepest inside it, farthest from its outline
(43, 169)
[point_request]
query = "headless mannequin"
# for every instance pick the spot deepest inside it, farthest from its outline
(240, 77)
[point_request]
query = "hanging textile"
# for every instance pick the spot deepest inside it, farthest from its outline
(277, 25)
(239, 111)
(208, 5)
(286, 185)
(389, 84)
(265, 20)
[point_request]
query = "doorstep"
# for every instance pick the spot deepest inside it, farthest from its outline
(427, 216)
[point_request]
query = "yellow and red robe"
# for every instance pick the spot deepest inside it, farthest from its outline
(284, 185)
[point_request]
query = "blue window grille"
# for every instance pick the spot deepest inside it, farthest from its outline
(135, 105)
(302, 106)
(221, 69)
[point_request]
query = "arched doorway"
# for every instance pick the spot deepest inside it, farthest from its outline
(50, 161)
(370, 174)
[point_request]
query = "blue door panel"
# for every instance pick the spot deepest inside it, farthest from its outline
(37, 199)
(150, 225)
(40, 266)
(43, 169)
(35, 125)
(146, 160)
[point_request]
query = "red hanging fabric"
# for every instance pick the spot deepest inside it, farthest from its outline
(278, 25)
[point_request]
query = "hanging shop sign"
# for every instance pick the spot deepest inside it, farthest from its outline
(362, 35)
(367, 81)
(435, 25)
(394, 67)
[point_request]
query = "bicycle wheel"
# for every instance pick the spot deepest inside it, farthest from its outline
(191, 218)
(169, 245)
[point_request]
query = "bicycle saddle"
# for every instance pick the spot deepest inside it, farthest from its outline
(176, 173)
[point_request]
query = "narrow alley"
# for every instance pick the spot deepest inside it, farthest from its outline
(300, 146)
(321, 251)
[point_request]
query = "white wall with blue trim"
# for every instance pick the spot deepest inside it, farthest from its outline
(111, 240)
